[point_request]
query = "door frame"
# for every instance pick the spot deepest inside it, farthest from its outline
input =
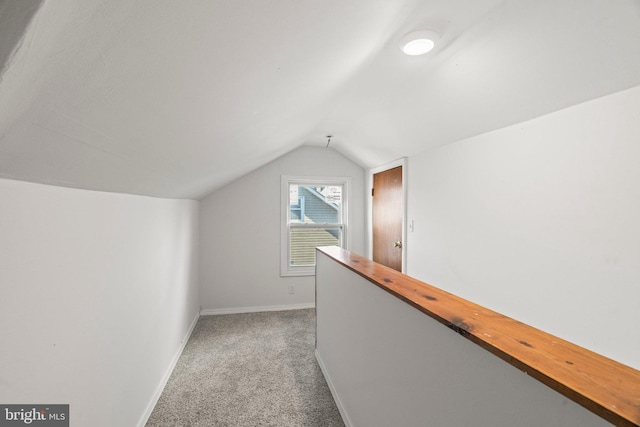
(369, 185)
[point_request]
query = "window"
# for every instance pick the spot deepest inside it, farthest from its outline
(314, 213)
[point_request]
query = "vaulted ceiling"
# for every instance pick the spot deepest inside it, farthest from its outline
(177, 98)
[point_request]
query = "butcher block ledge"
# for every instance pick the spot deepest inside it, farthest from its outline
(605, 387)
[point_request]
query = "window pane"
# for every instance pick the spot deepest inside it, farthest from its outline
(303, 242)
(313, 214)
(315, 204)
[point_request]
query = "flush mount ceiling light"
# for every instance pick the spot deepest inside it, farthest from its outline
(418, 42)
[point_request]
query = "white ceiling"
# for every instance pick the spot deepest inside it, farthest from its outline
(177, 98)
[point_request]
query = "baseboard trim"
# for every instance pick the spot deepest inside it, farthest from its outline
(238, 310)
(165, 378)
(334, 392)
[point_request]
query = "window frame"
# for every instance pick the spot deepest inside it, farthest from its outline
(286, 180)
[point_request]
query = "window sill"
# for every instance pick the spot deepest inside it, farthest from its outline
(299, 273)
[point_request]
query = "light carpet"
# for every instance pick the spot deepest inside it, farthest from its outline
(254, 369)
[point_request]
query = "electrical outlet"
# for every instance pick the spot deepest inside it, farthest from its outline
(292, 289)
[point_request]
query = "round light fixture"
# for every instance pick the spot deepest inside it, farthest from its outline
(418, 42)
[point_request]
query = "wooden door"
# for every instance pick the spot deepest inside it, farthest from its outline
(387, 218)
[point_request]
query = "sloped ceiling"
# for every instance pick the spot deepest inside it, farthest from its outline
(175, 99)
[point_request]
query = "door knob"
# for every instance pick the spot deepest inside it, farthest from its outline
(397, 245)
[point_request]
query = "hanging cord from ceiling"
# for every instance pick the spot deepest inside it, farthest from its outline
(328, 141)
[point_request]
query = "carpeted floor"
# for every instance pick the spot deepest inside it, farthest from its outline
(255, 369)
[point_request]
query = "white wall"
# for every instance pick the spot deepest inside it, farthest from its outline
(389, 364)
(240, 234)
(97, 293)
(540, 221)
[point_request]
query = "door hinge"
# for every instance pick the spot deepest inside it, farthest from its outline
(372, 191)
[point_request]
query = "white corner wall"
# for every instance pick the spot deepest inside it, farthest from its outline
(540, 221)
(240, 234)
(97, 293)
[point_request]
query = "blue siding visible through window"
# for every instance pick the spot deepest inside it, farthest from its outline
(316, 208)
